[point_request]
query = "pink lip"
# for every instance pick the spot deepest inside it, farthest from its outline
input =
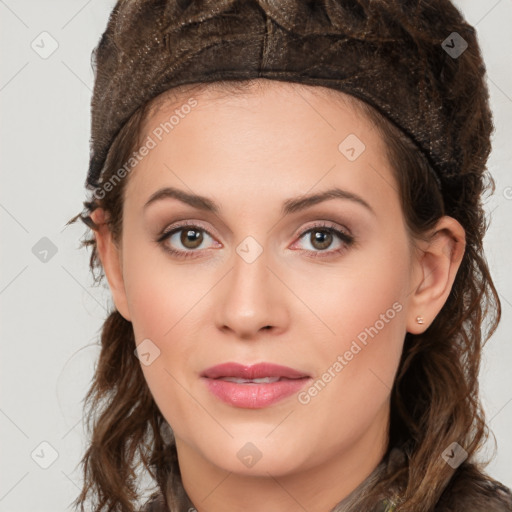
(253, 395)
(255, 371)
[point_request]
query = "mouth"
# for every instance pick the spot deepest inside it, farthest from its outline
(253, 387)
(252, 373)
(262, 380)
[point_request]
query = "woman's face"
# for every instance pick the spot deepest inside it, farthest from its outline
(263, 280)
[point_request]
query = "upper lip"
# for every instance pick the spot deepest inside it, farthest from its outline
(255, 371)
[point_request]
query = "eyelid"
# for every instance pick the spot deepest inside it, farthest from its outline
(347, 239)
(182, 224)
(324, 224)
(341, 232)
(174, 228)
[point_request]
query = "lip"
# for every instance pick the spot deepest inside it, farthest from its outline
(255, 371)
(253, 395)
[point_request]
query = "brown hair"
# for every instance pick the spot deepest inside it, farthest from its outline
(434, 401)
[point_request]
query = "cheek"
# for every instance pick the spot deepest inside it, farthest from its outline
(369, 290)
(154, 288)
(358, 363)
(364, 308)
(161, 308)
(165, 303)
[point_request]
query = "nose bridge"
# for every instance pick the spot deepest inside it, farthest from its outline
(250, 297)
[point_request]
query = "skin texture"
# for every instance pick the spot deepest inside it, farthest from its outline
(249, 153)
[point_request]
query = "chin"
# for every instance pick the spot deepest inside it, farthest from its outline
(255, 455)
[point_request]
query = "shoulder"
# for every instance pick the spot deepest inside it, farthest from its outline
(470, 489)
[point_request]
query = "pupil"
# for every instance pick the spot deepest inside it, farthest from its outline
(191, 236)
(322, 235)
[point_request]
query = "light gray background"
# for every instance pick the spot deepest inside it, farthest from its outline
(50, 312)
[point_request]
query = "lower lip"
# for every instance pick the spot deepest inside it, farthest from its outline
(254, 396)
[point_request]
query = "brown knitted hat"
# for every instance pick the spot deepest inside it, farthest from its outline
(416, 61)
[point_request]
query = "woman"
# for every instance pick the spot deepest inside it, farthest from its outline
(286, 203)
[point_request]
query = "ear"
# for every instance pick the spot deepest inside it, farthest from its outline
(110, 256)
(436, 264)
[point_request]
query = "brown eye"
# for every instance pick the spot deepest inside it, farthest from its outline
(321, 239)
(184, 241)
(191, 238)
(323, 236)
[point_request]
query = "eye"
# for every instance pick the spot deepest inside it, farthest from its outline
(321, 237)
(189, 235)
(192, 236)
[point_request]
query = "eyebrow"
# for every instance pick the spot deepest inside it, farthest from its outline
(289, 206)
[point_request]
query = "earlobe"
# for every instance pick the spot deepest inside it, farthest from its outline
(437, 263)
(110, 257)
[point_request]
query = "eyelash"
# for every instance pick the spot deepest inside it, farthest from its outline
(348, 240)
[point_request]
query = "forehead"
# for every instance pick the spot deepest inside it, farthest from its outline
(268, 136)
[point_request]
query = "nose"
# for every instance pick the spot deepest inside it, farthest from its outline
(251, 299)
